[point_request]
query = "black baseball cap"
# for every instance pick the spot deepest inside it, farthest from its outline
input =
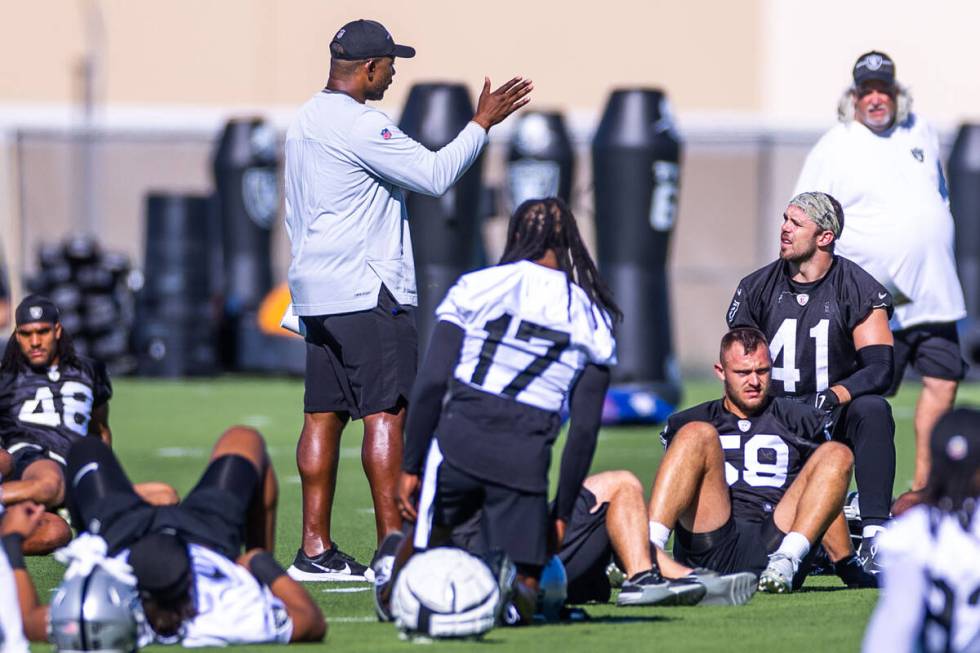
(874, 65)
(162, 566)
(366, 39)
(36, 308)
(956, 440)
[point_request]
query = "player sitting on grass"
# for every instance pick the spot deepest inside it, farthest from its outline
(827, 322)
(608, 524)
(49, 398)
(196, 586)
(745, 479)
(512, 344)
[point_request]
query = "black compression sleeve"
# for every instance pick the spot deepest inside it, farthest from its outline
(586, 415)
(876, 367)
(13, 545)
(430, 386)
(264, 567)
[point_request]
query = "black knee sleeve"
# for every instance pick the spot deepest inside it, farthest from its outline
(870, 429)
(232, 473)
(93, 472)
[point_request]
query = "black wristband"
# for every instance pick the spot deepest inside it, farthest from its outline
(265, 568)
(13, 545)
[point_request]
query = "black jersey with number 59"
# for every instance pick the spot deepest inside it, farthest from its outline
(52, 407)
(809, 326)
(763, 453)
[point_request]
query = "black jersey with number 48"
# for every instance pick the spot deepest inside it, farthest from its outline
(763, 453)
(809, 325)
(52, 407)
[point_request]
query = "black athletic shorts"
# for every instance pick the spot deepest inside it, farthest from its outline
(932, 350)
(587, 551)
(512, 521)
(25, 454)
(735, 547)
(363, 362)
(103, 501)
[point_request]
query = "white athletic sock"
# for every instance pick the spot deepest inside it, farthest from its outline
(870, 531)
(659, 534)
(795, 545)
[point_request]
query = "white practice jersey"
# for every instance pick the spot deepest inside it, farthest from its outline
(930, 598)
(232, 607)
(12, 638)
(897, 223)
(522, 339)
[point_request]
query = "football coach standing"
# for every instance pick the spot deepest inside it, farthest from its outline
(352, 274)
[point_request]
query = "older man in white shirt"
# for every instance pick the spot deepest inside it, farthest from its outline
(882, 163)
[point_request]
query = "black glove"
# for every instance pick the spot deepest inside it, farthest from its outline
(826, 400)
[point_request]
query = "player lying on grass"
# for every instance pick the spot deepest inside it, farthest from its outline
(196, 585)
(748, 480)
(49, 398)
(512, 343)
(929, 598)
(608, 524)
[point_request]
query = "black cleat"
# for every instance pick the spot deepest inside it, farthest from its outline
(868, 555)
(331, 565)
(381, 566)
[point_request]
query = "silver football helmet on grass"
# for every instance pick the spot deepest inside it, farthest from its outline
(96, 606)
(96, 612)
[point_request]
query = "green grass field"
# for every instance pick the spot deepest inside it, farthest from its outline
(163, 431)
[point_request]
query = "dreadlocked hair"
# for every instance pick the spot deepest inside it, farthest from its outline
(14, 360)
(540, 225)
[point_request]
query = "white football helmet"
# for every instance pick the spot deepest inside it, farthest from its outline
(445, 592)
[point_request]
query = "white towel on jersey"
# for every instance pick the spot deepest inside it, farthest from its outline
(522, 336)
(935, 569)
(232, 607)
(12, 638)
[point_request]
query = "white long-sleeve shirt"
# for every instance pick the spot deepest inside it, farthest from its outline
(346, 166)
(897, 223)
(928, 568)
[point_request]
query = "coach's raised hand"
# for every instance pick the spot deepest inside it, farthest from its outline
(493, 107)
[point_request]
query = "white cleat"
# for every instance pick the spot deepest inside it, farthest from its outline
(778, 576)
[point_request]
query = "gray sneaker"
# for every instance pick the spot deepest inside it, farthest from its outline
(725, 589)
(650, 588)
(778, 576)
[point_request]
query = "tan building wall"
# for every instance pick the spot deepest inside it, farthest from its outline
(752, 83)
(266, 52)
(810, 48)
